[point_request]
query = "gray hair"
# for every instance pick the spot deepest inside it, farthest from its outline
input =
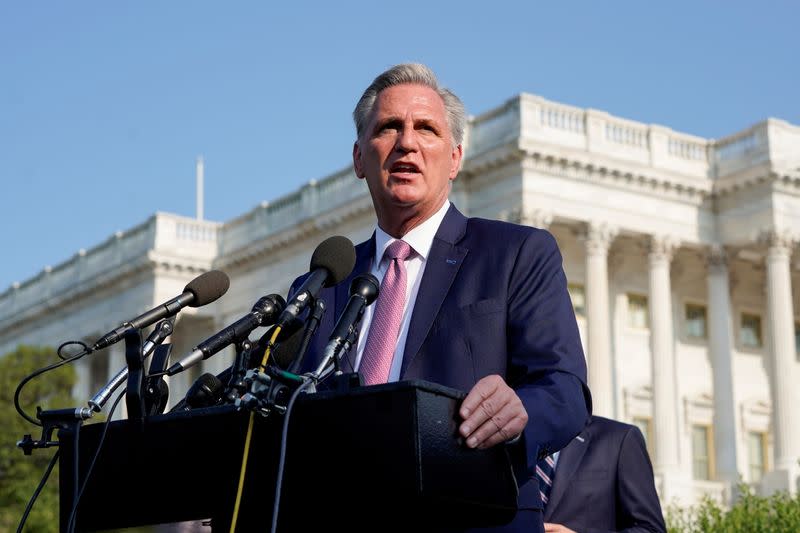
(411, 73)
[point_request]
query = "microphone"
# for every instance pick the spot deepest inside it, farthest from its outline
(205, 391)
(264, 313)
(287, 345)
(363, 291)
(332, 261)
(202, 290)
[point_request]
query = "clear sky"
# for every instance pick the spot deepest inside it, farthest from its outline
(104, 106)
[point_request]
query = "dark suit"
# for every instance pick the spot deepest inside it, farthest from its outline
(604, 482)
(493, 300)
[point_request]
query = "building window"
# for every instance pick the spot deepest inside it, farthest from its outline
(702, 458)
(756, 454)
(578, 297)
(750, 331)
(646, 427)
(696, 321)
(637, 311)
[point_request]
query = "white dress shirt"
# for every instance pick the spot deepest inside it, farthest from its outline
(420, 239)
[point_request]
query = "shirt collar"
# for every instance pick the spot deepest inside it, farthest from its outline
(420, 238)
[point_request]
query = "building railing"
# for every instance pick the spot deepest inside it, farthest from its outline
(162, 231)
(311, 200)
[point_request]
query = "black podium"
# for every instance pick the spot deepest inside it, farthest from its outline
(380, 458)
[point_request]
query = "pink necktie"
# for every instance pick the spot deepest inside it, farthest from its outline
(382, 339)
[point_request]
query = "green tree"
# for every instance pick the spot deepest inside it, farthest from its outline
(20, 474)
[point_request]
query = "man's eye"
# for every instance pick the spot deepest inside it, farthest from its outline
(388, 127)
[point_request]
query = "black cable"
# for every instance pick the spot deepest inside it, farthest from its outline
(64, 345)
(77, 499)
(17, 406)
(38, 490)
(282, 460)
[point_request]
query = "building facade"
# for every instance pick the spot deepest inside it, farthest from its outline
(678, 251)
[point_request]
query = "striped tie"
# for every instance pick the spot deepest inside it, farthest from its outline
(545, 471)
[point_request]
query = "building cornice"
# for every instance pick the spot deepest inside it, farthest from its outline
(617, 174)
(316, 225)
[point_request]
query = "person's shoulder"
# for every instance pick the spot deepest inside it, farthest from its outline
(600, 424)
(501, 231)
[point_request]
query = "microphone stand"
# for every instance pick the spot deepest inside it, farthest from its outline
(133, 357)
(156, 393)
(268, 391)
(162, 330)
(142, 397)
(236, 384)
(311, 328)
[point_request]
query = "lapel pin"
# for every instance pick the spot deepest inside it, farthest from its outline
(580, 438)
(451, 261)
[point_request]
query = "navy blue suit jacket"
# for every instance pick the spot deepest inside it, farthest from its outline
(604, 482)
(492, 300)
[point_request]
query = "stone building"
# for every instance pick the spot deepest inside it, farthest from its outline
(678, 250)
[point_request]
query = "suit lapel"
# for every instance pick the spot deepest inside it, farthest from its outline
(441, 267)
(364, 254)
(568, 461)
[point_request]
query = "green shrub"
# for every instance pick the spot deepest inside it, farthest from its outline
(778, 513)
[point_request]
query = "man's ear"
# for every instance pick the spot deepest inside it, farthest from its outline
(357, 166)
(455, 162)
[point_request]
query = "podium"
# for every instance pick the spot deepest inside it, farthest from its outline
(379, 458)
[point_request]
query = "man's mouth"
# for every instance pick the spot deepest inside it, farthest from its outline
(404, 168)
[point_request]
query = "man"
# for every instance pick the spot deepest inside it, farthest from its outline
(482, 306)
(604, 483)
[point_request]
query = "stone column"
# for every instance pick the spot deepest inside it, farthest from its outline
(781, 332)
(662, 349)
(601, 380)
(720, 335)
(538, 218)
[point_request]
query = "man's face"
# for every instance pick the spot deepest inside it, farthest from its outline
(407, 156)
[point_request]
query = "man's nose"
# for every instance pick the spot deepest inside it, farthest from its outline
(407, 140)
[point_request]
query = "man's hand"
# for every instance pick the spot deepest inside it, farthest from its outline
(556, 528)
(492, 413)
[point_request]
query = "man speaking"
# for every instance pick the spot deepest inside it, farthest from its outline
(473, 304)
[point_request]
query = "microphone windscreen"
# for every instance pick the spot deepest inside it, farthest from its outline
(288, 343)
(207, 287)
(205, 391)
(337, 255)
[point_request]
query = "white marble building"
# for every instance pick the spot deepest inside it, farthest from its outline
(678, 249)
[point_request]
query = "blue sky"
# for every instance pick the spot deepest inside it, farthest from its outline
(104, 106)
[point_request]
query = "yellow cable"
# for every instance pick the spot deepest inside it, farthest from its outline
(269, 348)
(242, 472)
(249, 435)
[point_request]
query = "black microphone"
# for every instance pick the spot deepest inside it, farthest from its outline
(202, 290)
(264, 313)
(205, 391)
(363, 291)
(331, 262)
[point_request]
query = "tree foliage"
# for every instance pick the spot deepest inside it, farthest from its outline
(20, 474)
(778, 513)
